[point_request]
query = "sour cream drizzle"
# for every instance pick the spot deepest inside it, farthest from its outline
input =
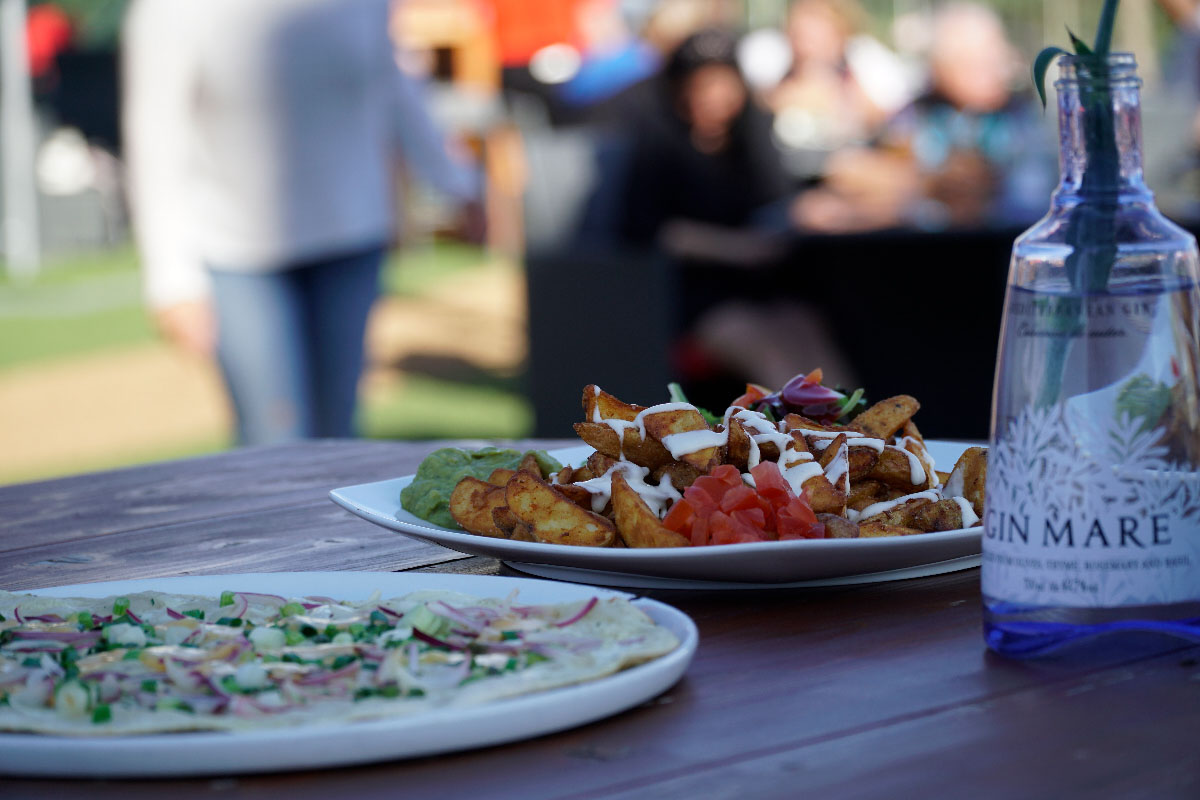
(969, 517)
(853, 439)
(839, 467)
(888, 505)
(916, 469)
(658, 496)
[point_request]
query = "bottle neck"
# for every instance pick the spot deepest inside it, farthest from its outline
(1100, 131)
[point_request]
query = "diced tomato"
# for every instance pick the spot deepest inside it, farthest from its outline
(719, 481)
(768, 510)
(739, 497)
(770, 483)
(719, 508)
(796, 520)
(680, 517)
(725, 529)
(753, 517)
(701, 501)
(699, 533)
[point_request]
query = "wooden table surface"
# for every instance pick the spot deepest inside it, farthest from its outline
(878, 690)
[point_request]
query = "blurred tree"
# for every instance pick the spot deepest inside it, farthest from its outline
(97, 22)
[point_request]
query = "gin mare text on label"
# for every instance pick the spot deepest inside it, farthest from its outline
(1007, 527)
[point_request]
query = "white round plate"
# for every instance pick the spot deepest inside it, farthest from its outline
(775, 563)
(342, 743)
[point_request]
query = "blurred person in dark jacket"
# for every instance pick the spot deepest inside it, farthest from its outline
(262, 140)
(702, 150)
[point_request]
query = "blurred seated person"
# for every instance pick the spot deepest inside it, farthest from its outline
(969, 152)
(701, 152)
(705, 179)
(842, 84)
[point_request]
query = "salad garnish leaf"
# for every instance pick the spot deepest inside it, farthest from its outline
(677, 396)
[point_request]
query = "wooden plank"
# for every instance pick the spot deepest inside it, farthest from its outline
(316, 536)
(1129, 731)
(237, 482)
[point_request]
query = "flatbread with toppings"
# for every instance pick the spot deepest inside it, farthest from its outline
(153, 662)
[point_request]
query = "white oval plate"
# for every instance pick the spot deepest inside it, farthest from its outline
(781, 564)
(343, 743)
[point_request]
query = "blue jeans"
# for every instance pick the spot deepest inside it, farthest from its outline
(290, 345)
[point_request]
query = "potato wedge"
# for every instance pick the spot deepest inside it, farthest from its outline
(824, 497)
(576, 494)
(554, 518)
(504, 520)
(637, 525)
(609, 407)
(739, 446)
(864, 493)
(904, 514)
(598, 463)
(831, 450)
(471, 504)
(838, 527)
(797, 422)
(678, 422)
(894, 468)
(969, 477)
(862, 461)
(883, 419)
(644, 451)
(522, 533)
(529, 463)
(944, 515)
(601, 437)
(872, 530)
(500, 476)
(682, 475)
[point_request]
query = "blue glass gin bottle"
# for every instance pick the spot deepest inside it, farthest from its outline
(1092, 519)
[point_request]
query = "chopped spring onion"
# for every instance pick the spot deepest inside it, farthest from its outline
(101, 713)
(120, 606)
(227, 598)
(291, 609)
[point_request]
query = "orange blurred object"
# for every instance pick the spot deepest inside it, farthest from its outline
(48, 31)
(525, 26)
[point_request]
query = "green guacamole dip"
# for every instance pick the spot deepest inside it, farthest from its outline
(428, 496)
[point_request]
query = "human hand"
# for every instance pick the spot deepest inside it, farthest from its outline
(190, 325)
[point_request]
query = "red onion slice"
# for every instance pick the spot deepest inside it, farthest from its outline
(70, 637)
(31, 618)
(455, 614)
(588, 606)
(436, 642)
(259, 597)
(325, 677)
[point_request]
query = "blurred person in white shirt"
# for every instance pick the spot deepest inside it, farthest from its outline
(262, 140)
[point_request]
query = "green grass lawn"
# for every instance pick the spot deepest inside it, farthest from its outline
(90, 304)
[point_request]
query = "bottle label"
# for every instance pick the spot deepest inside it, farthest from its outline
(1086, 509)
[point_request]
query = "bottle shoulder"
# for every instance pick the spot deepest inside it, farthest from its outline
(1139, 225)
